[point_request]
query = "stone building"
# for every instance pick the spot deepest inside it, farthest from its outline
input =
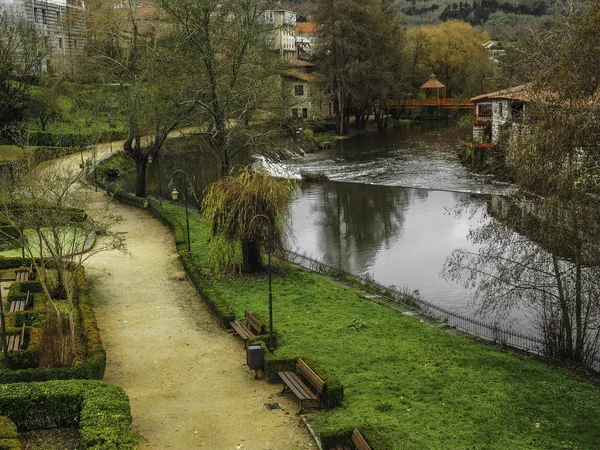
(283, 40)
(61, 23)
(496, 109)
(309, 99)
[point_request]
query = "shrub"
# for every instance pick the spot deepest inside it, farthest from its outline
(129, 199)
(101, 410)
(25, 361)
(47, 139)
(9, 437)
(330, 437)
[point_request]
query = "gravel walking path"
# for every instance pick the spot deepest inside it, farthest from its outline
(185, 376)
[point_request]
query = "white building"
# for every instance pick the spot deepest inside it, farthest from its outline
(283, 37)
(61, 23)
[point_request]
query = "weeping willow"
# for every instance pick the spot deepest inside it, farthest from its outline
(248, 211)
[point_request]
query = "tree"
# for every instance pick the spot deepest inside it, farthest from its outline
(22, 51)
(453, 51)
(233, 73)
(45, 207)
(136, 51)
(249, 210)
(360, 53)
(44, 106)
(553, 154)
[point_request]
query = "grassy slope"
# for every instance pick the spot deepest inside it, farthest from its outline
(427, 388)
(9, 153)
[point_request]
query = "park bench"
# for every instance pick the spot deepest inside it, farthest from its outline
(254, 327)
(15, 341)
(20, 305)
(304, 392)
(357, 439)
(23, 275)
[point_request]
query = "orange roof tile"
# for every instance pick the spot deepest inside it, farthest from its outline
(433, 83)
(303, 76)
(306, 27)
(523, 92)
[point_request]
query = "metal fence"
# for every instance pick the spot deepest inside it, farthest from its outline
(491, 332)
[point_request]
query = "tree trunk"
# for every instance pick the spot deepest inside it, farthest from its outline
(140, 182)
(252, 262)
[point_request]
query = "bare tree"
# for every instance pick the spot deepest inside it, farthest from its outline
(46, 207)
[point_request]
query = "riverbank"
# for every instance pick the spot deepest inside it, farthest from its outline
(415, 385)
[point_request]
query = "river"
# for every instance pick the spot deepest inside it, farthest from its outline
(388, 210)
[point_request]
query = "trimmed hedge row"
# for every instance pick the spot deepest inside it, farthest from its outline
(48, 139)
(9, 437)
(375, 439)
(123, 197)
(101, 410)
(26, 361)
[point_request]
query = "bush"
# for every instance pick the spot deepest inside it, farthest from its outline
(129, 199)
(9, 437)
(25, 361)
(47, 139)
(101, 410)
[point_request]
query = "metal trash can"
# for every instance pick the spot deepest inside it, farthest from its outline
(255, 358)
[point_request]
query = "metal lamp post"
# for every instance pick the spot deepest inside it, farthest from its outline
(271, 340)
(3, 324)
(175, 195)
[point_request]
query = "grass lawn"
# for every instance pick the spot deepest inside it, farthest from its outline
(73, 241)
(9, 153)
(425, 388)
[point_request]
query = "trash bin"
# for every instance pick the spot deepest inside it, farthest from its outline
(255, 358)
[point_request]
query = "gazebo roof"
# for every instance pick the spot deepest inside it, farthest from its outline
(433, 83)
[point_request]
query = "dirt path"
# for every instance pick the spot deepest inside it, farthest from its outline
(185, 376)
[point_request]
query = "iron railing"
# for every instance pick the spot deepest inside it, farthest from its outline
(491, 332)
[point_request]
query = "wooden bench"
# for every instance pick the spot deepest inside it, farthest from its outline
(302, 391)
(15, 341)
(254, 327)
(357, 439)
(20, 305)
(24, 275)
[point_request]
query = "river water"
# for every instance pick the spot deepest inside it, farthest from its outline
(388, 209)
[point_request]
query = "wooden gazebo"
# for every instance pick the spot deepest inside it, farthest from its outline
(430, 86)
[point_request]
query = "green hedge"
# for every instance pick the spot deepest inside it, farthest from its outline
(9, 437)
(129, 199)
(376, 439)
(101, 410)
(24, 361)
(333, 393)
(48, 139)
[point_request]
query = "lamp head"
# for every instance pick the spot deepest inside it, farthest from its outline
(175, 195)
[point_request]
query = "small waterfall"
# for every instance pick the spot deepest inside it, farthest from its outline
(274, 168)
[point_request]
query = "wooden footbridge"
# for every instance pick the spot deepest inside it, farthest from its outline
(431, 94)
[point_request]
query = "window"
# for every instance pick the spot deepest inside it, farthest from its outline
(43, 16)
(74, 43)
(35, 15)
(60, 43)
(295, 113)
(58, 17)
(299, 89)
(500, 109)
(304, 113)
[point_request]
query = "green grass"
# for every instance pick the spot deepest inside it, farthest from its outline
(9, 153)
(73, 241)
(424, 388)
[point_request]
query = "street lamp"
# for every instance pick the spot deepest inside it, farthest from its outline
(175, 195)
(271, 343)
(3, 324)
(17, 197)
(150, 160)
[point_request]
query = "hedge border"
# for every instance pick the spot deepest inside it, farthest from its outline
(9, 437)
(101, 410)
(95, 362)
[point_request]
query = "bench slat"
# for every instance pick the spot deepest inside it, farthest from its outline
(359, 441)
(253, 322)
(296, 385)
(242, 330)
(310, 376)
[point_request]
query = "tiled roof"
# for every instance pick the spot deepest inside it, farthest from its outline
(306, 27)
(433, 83)
(523, 93)
(302, 76)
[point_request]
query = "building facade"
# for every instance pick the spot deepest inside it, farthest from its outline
(60, 23)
